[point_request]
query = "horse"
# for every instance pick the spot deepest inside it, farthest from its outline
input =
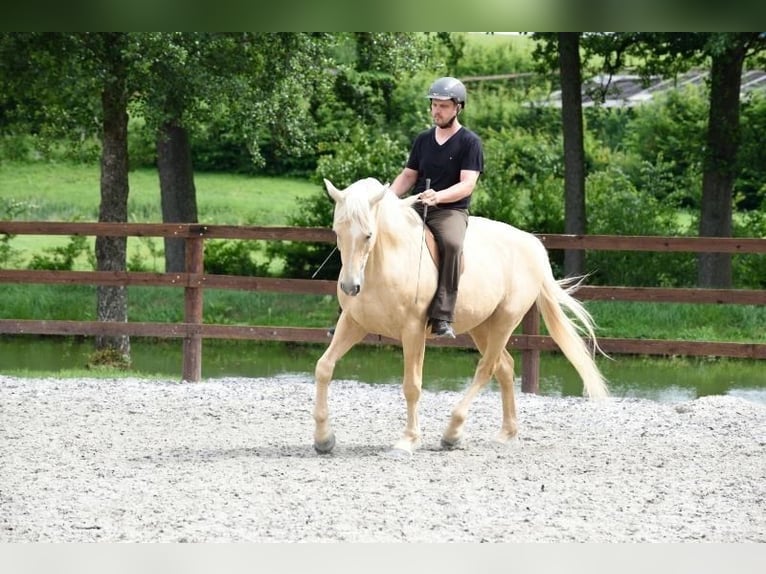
(386, 283)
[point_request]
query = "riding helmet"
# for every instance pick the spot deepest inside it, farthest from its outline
(447, 88)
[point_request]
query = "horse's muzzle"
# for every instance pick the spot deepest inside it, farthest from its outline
(351, 289)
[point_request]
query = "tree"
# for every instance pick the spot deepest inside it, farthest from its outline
(109, 54)
(726, 53)
(261, 81)
(667, 54)
(60, 82)
(366, 143)
(561, 51)
(575, 221)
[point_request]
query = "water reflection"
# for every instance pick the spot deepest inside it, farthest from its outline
(666, 380)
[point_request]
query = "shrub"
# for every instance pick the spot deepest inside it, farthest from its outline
(63, 258)
(750, 270)
(750, 187)
(361, 155)
(522, 182)
(233, 257)
(671, 130)
(616, 207)
(9, 209)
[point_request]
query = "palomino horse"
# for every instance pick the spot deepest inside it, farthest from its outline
(385, 288)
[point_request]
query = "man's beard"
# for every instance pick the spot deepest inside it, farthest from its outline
(448, 123)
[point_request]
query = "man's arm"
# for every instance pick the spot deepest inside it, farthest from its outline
(461, 189)
(404, 181)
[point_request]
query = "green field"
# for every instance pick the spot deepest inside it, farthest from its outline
(64, 192)
(69, 192)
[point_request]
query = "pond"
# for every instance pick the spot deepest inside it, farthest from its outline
(661, 379)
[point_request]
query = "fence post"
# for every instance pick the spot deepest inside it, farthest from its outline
(192, 359)
(530, 358)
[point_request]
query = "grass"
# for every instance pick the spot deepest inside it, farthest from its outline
(693, 322)
(680, 321)
(70, 192)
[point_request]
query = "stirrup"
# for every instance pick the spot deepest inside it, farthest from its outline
(442, 328)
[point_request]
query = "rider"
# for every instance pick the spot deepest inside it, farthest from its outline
(443, 166)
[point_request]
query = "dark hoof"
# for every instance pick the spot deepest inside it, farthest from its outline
(325, 447)
(450, 444)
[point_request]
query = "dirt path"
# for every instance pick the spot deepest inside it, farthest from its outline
(232, 460)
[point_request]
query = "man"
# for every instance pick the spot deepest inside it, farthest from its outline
(443, 167)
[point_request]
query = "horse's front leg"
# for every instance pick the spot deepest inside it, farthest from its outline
(347, 334)
(413, 348)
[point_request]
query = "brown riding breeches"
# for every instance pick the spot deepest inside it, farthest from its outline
(449, 227)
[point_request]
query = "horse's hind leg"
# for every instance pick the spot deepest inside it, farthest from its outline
(491, 346)
(505, 378)
(347, 334)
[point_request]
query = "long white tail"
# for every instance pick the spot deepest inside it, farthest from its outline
(555, 297)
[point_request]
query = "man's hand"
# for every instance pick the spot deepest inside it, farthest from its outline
(429, 197)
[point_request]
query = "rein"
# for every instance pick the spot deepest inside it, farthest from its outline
(423, 242)
(326, 259)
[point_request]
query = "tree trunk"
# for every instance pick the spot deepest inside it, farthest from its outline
(179, 196)
(112, 302)
(575, 221)
(714, 269)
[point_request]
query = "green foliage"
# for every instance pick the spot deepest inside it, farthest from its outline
(63, 258)
(750, 186)
(266, 103)
(361, 154)
(153, 247)
(671, 130)
(233, 257)
(608, 125)
(750, 270)
(616, 207)
(142, 144)
(487, 54)
(9, 210)
(491, 109)
(8, 256)
(22, 147)
(303, 259)
(365, 84)
(217, 146)
(522, 183)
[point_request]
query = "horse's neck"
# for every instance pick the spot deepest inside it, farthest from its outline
(399, 236)
(398, 226)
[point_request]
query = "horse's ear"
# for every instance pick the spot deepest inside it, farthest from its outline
(332, 191)
(378, 195)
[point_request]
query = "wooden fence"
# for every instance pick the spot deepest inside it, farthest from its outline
(529, 342)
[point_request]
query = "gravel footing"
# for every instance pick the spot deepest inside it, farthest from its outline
(224, 460)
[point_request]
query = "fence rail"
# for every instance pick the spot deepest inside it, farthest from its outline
(194, 281)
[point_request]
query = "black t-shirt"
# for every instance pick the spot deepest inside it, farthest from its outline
(442, 163)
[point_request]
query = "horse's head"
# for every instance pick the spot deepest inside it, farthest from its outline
(355, 228)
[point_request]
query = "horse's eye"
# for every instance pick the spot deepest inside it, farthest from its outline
(369, 236)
